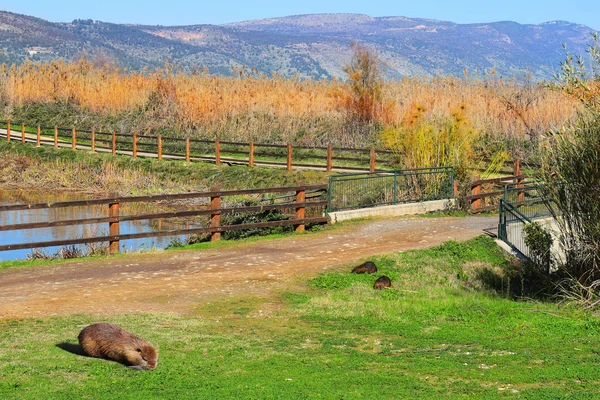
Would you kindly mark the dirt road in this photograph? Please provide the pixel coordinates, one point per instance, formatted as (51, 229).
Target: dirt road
(178, 281)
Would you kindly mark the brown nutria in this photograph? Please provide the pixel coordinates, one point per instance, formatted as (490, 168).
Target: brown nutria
(382, 282)
(368, 267)
(110, 341)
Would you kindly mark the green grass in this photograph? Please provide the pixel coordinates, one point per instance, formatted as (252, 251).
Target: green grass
(434, 335)
(25, 263)
(38, 262)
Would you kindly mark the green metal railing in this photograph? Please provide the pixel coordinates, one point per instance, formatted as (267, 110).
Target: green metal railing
(527, 199)
(511, 227)
(521, 205)
(369, 189)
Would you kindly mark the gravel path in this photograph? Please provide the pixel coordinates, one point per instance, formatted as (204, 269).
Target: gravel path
(179, 281)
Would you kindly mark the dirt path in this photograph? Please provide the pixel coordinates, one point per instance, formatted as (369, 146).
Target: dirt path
(179, 281)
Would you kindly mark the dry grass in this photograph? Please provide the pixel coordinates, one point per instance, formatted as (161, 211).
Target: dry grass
(274, 109)
(19, 171)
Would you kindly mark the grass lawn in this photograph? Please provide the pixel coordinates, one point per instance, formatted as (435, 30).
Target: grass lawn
(437, 333)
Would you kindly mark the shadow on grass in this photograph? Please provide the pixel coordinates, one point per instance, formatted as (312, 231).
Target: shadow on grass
(72, 348)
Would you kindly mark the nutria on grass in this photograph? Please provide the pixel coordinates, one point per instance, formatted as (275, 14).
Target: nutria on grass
(110, 341)
(382, 282)
(366, 267)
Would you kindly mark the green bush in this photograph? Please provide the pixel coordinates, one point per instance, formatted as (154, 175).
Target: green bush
(539, 242)
(254, 218)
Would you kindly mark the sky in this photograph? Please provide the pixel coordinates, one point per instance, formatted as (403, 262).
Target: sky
(191, 12)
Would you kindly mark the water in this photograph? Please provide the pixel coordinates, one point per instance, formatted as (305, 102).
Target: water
(76, 231)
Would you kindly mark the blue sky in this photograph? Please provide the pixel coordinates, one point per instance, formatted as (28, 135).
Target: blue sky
(187, 12)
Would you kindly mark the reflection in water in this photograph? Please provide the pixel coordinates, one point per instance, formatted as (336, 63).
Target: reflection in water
(76, 231)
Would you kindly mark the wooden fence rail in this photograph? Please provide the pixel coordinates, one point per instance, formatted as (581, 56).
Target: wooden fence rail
(241, 153)
(476, 195)
(299, 204)
(475, 188)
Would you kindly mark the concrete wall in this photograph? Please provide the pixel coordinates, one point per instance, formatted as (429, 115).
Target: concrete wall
(393, 210)
(515, 234)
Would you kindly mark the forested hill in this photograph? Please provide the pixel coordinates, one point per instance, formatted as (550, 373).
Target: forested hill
(307, 45)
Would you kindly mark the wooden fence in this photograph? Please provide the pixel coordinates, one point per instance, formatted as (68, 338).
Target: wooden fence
(476, 195)
(300, 202)
(220, 152)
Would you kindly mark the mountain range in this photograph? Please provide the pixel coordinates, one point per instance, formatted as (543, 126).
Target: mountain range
(307, 46)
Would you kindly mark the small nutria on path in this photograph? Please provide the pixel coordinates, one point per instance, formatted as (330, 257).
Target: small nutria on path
(366, 267)
(382, 282)
(110, 341)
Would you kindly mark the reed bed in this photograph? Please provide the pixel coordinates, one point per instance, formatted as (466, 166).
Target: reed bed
(274, 109)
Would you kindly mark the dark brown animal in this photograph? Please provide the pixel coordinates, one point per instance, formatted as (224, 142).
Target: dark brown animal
(110, 341)
(366, 267)
(382, 282)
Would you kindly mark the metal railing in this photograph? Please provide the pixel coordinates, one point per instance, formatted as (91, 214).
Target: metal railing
(520, 205)
(511, 227)
(369, 189)
(526, 199)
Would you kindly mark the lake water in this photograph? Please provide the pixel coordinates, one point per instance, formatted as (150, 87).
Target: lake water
(75, 231)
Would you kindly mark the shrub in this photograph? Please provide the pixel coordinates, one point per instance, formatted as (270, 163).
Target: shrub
(421, 142)
(253, 218)
(539, 242)
(570, 174)
(570, 181)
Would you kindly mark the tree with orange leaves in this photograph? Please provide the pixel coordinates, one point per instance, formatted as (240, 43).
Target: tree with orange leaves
(364, 78)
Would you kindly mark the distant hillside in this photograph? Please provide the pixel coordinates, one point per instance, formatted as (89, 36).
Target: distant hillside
(308, 45)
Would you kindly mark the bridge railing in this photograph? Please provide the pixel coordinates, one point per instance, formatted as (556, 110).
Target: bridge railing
(520, 205)
(356, 190)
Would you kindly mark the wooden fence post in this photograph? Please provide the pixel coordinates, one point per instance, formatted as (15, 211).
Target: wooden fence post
(39, 136)
(22, 132)
(159, 148)
(113, 228)
(329, 158)
(187, 149)
(74, 141)
(93, 140)
(300, 210)
(217, 151)
(215, 217)
(475, 190)
(373, 159)
(8, 130)
(518, 181)
(55, 137)
(289, 157)
(251, 155)
(134, 151)
(455, 188)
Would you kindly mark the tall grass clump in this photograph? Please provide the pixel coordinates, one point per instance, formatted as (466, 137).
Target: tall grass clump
(570, 181)
(421, 142)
